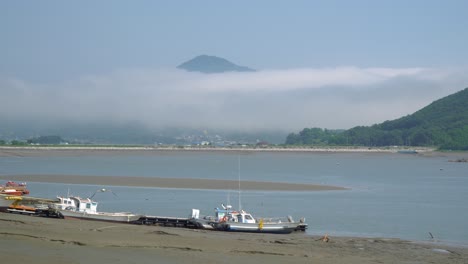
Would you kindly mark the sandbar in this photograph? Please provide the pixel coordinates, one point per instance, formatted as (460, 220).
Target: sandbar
(180, 183)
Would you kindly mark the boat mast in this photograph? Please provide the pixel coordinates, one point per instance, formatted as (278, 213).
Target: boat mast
(238, 180)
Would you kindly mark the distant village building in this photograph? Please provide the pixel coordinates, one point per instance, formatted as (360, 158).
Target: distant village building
(262, 144)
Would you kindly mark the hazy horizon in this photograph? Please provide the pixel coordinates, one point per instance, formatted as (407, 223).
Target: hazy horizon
(324, 64)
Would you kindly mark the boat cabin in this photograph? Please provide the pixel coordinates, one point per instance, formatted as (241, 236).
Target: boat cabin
(77, 204)
(227, 214)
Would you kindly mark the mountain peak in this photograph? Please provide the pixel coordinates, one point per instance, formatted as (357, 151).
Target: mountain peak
(212, 64)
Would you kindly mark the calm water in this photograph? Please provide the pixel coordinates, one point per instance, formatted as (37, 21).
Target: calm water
(392, 195)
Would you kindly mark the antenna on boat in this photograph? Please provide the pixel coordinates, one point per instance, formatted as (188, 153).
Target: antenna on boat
(238, 179)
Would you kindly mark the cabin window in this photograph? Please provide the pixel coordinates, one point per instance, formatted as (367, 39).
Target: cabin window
(88, 206)
(248, 217)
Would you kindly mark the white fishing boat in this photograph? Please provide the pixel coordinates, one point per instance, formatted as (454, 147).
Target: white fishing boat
(228, 219)
(85, 208)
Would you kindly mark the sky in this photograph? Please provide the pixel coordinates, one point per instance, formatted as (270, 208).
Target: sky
(329, 64)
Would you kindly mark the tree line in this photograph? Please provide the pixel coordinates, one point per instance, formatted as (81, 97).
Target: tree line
(443, 124)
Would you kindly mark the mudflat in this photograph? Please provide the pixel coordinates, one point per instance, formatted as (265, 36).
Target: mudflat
(30, 239)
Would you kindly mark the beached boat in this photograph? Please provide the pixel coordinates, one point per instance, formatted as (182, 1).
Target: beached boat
(13, 188)
(27, 208)
(85, 208)
(6, 201)
(228, 219)
(23, 204)
(9, 193)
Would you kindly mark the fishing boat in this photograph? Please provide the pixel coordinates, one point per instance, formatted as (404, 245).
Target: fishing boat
(23, 204)
(6, 201)
(9, 193)
(228, 219)
(27, 207)
(85, 208)
(13, 188)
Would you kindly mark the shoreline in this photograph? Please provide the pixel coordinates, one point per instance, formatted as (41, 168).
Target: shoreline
(176, 183)
(80, 151)
(33, 150)
(32, 239)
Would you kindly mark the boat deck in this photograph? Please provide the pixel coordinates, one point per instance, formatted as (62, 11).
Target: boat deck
(145, 220)
(167, 221)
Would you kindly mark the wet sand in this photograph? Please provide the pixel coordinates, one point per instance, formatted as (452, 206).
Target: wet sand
(29, 239)
(184, 183)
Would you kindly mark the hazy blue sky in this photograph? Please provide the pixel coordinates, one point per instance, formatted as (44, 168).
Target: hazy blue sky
(363, 49)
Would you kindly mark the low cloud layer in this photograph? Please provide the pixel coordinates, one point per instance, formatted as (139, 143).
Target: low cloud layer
(287, 100)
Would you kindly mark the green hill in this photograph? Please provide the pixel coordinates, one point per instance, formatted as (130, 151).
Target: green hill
(443, 123)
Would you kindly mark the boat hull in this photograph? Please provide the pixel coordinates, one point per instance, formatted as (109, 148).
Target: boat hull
(276, 228)
(101, 216)
(12, 192)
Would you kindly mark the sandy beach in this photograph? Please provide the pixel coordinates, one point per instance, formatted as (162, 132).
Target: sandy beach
(30, 239)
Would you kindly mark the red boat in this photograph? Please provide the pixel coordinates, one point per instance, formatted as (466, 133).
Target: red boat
(13, 188)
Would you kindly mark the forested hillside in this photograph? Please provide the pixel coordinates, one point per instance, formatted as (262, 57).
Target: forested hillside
(443, 123)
